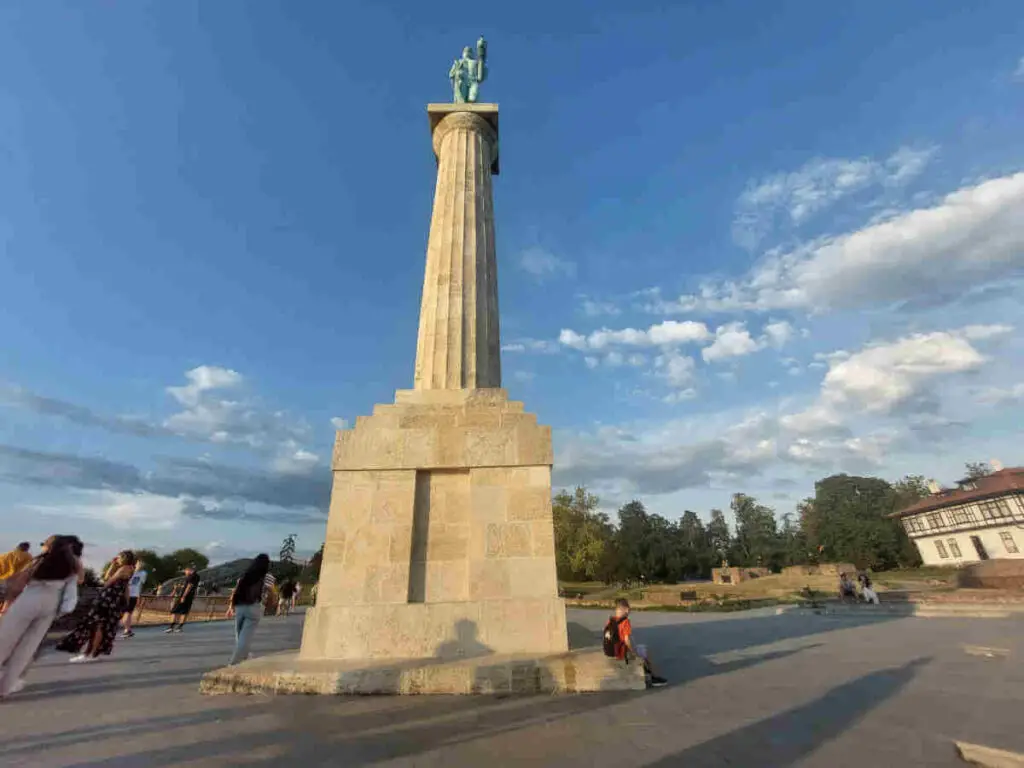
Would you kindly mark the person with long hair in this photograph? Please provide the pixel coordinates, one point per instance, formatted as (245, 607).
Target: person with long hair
(94, 636)
(247, 605)
(44, 590)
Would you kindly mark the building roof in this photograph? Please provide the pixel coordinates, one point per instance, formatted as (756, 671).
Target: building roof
(1009, 480)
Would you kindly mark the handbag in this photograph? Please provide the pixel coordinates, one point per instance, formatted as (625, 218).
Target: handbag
(68, 597)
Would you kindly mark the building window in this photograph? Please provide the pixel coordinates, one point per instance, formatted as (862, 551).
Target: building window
(1009, 543)
(941, 549)
(913, 525)
(935, 520)
(954, 548)
(995, 509)
(962, 515)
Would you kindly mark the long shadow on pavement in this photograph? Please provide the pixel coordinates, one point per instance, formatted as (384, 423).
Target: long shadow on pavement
(790, 736)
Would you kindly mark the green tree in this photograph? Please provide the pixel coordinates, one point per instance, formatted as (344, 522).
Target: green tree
(180, 558)
(792, 541)
(288, 548)
(976, 469)
(848, 521)
(697, 556)
(582, 535)
(719, 537)
(757, 540)
(311, 572)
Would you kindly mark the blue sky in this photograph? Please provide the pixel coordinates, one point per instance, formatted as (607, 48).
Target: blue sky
(741, 246)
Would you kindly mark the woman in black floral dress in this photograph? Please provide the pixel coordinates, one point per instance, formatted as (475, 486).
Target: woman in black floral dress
(95, 633)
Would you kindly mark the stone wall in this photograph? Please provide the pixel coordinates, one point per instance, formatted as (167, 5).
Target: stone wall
(992, 574)
(821, 569)
(735, 574)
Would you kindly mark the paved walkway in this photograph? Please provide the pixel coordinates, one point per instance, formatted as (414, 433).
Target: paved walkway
(748, 690)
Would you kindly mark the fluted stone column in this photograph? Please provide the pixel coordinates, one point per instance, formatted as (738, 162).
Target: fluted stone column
(458, 346)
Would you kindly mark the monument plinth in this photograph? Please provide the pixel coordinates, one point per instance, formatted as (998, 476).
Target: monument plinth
(438, 570)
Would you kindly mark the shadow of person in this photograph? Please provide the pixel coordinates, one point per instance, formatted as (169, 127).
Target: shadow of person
(787, 738)
(465, 645)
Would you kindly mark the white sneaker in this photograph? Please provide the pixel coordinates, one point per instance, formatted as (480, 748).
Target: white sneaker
(18, 685)
(77, 659)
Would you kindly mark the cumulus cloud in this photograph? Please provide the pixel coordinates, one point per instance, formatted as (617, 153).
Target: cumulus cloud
(884, 377)
(664, 334)
(818, 184)
(972, 238)
(339, 423)
(211, 410)
(676, 369)
(731, 340)
(543, 265)
(873, 401)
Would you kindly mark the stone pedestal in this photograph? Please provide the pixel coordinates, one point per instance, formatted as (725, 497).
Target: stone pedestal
(439, 540)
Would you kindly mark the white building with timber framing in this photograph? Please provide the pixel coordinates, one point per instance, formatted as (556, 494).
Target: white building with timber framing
(981, 519)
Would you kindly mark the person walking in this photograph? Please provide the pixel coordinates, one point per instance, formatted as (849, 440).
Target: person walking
(95, 633)
(246, 605)
(183, 603)
(287, 592)
(135, 584)
(45, 590)
(11, 563)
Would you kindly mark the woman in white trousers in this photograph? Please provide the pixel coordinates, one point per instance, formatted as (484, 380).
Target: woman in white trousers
(26, 621)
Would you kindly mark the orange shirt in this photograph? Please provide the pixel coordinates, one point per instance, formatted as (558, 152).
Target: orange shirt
(12, 562)
(625, 630)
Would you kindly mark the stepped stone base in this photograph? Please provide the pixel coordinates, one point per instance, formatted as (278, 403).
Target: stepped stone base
(452, 630)
(573, 672)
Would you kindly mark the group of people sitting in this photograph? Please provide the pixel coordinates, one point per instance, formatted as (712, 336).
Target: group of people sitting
(848, 590)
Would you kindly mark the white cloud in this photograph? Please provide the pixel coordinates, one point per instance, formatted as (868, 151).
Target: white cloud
(778, 333)
(614, 359)
(907, 162)
(815, 186)
(971, 238)
(295, 460)
(680, 396)
(542, 346)
(543, 265)
(591, 362)
(1018, 73)
(885, 376)
(1002, 395)
(208, 413)
(983, 332)
(339, 423)
(731, 340)
(676, 369)
(142, 511)
(664, 334)
(202, 380)
(594, 308)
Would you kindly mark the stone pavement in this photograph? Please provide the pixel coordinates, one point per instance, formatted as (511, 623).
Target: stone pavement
(749, 689)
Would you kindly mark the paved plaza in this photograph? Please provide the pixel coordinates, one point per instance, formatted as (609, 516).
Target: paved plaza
(747, 689)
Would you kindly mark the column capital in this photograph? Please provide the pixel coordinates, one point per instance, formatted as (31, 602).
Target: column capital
(481, 117)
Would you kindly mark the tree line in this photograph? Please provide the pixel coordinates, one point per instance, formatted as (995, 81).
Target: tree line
(845, 521)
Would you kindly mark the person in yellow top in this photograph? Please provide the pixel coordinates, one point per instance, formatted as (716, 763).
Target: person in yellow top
(10, 564)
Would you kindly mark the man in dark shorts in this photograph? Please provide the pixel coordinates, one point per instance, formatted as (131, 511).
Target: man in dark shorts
(183, 602)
